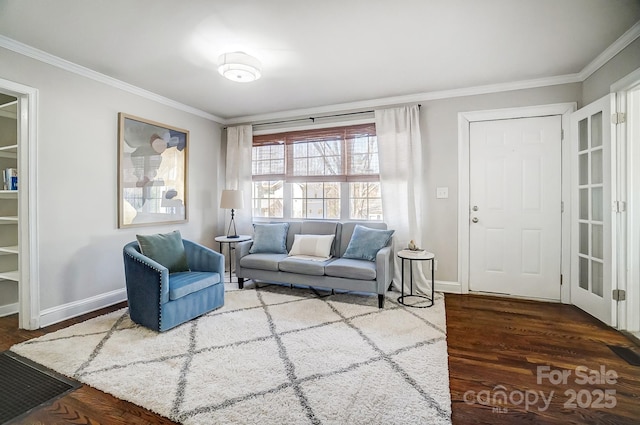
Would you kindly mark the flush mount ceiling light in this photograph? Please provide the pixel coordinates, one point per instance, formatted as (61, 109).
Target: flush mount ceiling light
(239, 66)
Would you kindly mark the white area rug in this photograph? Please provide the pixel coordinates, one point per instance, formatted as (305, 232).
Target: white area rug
(271, 355)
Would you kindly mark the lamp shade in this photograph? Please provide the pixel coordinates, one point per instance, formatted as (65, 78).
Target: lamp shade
(231, 200)
(239, 66)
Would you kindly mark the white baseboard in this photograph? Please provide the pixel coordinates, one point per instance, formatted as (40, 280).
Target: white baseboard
(76, 308)
(9, 309)
(448, 286)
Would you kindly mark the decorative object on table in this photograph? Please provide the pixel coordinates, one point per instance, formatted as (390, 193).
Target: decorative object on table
(152, 172)
(232, 200)
(413, 247)
(234, 365)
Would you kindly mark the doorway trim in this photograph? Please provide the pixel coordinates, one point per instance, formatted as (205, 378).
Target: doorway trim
(29, 282)
(627, 262)
(464, 121)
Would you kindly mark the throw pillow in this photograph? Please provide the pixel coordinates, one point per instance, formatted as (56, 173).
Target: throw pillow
(165, 248)
(366, 242)
(312, 245)
(269, 238)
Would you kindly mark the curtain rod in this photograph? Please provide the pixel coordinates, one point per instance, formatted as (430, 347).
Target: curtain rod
(313, 119)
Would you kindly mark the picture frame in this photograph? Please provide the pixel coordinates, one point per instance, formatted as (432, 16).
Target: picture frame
(152, 172)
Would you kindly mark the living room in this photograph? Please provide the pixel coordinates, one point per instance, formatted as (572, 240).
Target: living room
(71, 244)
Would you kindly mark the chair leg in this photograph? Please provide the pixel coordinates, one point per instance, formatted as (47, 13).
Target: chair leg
(241, 282)
(380, 301)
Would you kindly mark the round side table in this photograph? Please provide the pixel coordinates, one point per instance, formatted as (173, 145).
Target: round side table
(412, 256)
(231, 241)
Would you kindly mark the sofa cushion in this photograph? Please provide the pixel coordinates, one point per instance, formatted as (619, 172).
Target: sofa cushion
(366, 242)
(351, 269)
(270, 238)
(185, 283)
(166, 249)
(322, 227)
(262, 261)
(312, 245)
(300, 266)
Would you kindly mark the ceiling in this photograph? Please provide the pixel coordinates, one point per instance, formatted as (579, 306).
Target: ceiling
(320, 53)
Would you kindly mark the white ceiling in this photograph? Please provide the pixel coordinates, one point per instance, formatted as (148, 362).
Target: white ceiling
(319, 53)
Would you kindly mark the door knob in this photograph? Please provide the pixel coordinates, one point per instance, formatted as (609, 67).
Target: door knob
(475, 208)
(474, 219)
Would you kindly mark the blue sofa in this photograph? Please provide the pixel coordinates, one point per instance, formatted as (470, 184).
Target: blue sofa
(160, 300)
(335, 273)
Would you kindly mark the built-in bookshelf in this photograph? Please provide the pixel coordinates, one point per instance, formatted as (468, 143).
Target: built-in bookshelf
(9, 249)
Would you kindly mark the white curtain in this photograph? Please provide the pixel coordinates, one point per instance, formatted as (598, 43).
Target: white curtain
(238, 174)
(402, 184)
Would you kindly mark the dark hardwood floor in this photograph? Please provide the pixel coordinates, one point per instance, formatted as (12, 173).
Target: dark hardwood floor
(498, 344)
(495, 344)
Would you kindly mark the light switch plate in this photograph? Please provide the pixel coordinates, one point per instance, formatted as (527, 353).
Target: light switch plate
(442, 192)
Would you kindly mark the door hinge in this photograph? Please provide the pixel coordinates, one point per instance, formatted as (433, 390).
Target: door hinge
(561, 206)
(562, 134)
(618, 117)
(560, 280)
(619, 206)
(619, 295)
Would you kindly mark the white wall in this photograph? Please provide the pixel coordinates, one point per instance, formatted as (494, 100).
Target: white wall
(80, 246)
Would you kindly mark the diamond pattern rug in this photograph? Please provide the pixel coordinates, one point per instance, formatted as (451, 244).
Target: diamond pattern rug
(272, 355)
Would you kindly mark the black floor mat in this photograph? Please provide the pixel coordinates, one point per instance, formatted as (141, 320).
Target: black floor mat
(626, 354)
(25, 385)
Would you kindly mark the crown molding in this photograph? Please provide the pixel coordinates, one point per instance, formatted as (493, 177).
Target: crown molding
(616, 47)
(623, 41)
(66, 65)
(412, 98)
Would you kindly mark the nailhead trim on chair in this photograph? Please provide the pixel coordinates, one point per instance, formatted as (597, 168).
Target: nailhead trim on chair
(139, 260)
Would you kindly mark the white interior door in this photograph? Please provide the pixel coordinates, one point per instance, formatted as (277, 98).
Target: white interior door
(592, 240)
(515, 200)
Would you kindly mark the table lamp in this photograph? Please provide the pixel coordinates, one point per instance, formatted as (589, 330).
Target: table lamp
(233, 200)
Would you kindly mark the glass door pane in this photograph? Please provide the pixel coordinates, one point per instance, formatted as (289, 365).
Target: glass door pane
(591, 204)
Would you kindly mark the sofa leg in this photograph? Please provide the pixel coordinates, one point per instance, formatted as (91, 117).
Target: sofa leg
(380, 301)
(241, 282)
(390, 286)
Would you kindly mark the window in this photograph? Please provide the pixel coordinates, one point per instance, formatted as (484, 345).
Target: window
(321, 174)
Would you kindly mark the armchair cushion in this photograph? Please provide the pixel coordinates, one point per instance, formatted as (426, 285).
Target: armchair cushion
(185, 283)
(166, 249)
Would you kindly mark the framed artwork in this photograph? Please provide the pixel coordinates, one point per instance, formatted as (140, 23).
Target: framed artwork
(152, 172)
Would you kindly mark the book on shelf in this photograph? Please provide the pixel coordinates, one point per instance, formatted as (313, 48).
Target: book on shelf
(10, 178)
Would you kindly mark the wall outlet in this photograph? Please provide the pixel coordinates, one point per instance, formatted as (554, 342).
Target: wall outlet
(442, 192)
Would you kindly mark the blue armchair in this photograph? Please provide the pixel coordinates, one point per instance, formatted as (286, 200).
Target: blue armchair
(160, 300)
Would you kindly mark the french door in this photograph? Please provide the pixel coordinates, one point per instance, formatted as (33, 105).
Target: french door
(593, 244)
